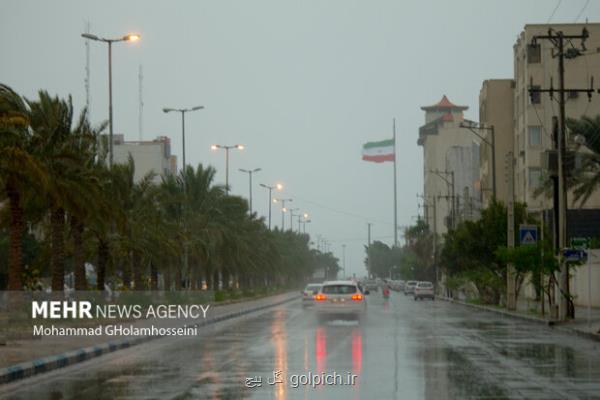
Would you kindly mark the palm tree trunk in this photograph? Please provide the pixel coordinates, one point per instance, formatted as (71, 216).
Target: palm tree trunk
(167, 277)
(15, 257)
(138, 282)
(78, 254)
(102, 261)
(153, 276)
(178, 277)
(57, 221)
(225, 276)
(126, 268)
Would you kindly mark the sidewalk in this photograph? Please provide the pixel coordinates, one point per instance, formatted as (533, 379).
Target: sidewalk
(529, 311)
(27, 357)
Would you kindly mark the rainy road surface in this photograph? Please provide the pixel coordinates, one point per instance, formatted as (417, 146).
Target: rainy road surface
(402, 350)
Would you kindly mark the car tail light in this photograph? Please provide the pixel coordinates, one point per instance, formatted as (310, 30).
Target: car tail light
(357, 297)
(320, 297)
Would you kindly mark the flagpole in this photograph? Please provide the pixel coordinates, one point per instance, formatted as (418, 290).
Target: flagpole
(395, 192)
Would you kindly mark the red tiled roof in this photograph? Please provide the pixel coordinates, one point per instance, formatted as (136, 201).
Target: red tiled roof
(444, 104)
(448, 117)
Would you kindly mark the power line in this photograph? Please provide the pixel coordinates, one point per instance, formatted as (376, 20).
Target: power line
(554, 11)
(341, 212)
(582, 10)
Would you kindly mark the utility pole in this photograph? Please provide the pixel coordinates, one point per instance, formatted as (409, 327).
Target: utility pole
(395, 192)
(369, 249)
(511, 301)
(558, 38)
(344, 259)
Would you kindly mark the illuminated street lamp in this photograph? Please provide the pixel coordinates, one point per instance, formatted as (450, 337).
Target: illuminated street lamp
(132, 37)
(215, 147)
(279, 187)
(283, 210)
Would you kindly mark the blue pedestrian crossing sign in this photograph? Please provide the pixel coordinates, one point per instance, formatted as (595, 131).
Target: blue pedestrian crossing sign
(528, 234)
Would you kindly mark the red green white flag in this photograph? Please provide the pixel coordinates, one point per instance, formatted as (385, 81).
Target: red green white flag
(379, 151)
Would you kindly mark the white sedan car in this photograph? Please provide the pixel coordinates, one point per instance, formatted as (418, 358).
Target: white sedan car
(340, 297)
(308, 294)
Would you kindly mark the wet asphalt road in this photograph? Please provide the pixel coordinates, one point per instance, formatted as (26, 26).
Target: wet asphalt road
(402, 350)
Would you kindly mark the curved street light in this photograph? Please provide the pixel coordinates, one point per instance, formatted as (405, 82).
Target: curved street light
(215, 147)
(182, 111)
(130, 37)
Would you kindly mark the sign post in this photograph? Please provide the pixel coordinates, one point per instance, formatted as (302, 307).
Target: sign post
(528, 234)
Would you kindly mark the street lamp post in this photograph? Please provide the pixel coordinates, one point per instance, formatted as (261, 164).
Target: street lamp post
(279, 186)
(183, 111)
(250, 172)
(292, 215)
(227, 148)
(300, 216)
(283, 209)
(491, 143)
(132, 37)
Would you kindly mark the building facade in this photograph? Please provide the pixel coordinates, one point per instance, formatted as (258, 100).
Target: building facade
(148, 156)
(496, 111)
(535, 65)
(451, 165)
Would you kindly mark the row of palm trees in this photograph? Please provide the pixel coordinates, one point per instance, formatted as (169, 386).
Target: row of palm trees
(55, 182)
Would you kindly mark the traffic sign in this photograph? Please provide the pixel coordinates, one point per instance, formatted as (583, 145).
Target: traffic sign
(580, 243)
(528, 234)
(575, 255)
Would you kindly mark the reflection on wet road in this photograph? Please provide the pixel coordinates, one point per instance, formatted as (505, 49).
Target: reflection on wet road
(402, 349)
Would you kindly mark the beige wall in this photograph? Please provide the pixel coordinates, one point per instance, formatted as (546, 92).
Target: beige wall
(578, 72)
(435, 150)
(496, 108)
(147, 156)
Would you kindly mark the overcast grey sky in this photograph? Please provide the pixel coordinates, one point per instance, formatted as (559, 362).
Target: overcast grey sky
(302, 84)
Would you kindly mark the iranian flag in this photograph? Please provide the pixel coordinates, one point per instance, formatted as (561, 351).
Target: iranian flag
(378, 151)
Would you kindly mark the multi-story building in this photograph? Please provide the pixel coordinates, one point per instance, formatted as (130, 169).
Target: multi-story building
(450, 164)
(151, 155)
(535, 65)
(496, 111)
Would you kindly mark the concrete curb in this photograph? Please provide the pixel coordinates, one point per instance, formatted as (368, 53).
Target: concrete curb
(555, 325)
(35, 367)
(505, 313)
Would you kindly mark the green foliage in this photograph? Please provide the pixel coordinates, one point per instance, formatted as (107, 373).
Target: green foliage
(472, 250)
(133, 231)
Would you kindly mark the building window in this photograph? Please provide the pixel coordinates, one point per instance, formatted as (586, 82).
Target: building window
(535, 178)
(572, 94)
(534, 54)
(534, 134)
(535, 96)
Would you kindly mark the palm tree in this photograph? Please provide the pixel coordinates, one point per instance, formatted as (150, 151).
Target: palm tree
(71, 188)
(586, 179)
(19, 171)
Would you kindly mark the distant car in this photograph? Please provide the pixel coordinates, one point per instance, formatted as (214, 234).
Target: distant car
(409, 287)
(340, 297)
(424, 290)
(370, 285)
(309, 292)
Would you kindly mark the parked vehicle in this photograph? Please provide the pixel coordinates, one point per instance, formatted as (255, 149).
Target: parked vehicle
(424, 290)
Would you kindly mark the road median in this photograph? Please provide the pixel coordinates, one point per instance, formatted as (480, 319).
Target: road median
(29, 361)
